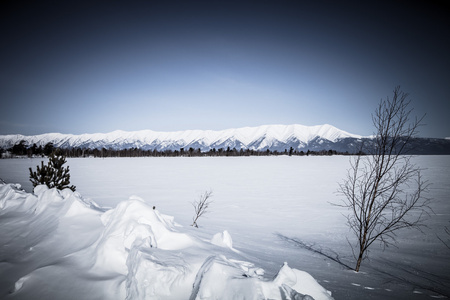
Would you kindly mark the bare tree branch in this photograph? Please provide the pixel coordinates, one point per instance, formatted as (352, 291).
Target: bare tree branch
(384, 191)
(201, 206)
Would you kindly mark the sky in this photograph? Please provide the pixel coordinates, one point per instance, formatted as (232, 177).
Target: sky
(98, 66)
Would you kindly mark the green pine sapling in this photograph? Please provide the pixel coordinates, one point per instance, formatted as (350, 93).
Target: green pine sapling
(54, 175)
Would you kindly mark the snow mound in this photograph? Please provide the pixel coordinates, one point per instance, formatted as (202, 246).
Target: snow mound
(134, 221)
(13, 198)
(129, 252)
(300, 282)
(222, 239)
(64, 203)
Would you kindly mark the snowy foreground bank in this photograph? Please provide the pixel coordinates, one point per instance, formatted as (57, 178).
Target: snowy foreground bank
(55, 245)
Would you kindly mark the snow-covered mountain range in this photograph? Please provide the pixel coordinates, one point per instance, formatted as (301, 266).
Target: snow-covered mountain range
(273, 137)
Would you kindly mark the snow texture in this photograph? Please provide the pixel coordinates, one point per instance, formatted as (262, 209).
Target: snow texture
(57, 245)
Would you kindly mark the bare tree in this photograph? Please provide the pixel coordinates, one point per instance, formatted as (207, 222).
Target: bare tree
(201, 206)
(445, 242)
(384, 191)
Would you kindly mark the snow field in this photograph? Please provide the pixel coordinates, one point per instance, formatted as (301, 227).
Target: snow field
(136, 252)
(264, 204)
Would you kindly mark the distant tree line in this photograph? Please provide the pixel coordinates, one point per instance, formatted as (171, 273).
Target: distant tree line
(21, 149)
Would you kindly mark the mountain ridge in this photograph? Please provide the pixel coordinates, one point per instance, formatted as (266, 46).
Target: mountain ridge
(264, 137)
(256, 138)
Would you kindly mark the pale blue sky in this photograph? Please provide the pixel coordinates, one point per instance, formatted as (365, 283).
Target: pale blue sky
(76, 67)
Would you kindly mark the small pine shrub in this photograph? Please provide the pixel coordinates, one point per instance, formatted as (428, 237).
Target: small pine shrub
(54, 175)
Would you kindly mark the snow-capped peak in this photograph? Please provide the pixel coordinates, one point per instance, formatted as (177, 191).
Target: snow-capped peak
(260, 137)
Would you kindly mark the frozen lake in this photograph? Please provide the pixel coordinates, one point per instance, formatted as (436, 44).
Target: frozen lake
(263, 201)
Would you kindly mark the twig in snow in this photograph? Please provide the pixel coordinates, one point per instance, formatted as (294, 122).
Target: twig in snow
(201, 206)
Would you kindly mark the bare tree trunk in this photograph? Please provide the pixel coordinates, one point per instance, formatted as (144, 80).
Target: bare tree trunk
(359, 260)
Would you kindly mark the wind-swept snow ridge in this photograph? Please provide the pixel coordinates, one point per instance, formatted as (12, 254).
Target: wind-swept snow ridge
(56, 247)
(274, 137)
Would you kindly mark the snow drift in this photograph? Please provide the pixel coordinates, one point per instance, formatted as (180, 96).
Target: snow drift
(55, 245)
